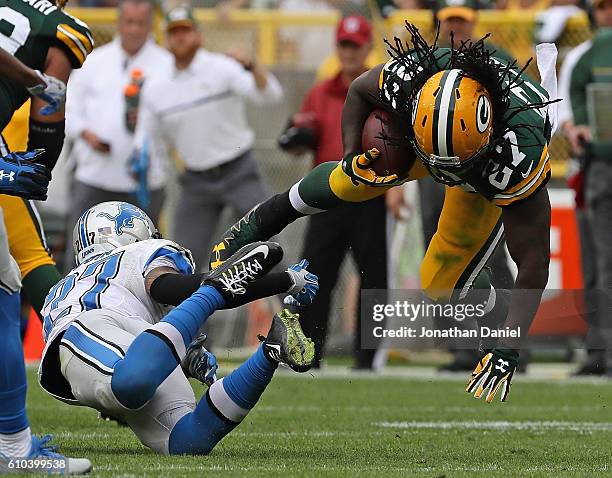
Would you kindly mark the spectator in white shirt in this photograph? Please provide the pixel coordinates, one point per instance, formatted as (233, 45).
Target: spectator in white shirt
(200, 113)
(97, 123)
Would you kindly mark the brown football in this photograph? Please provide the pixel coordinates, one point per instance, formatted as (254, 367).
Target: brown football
(384, 132)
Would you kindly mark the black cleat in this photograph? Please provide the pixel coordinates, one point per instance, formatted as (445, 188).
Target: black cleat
(287, 344)
(253, 261)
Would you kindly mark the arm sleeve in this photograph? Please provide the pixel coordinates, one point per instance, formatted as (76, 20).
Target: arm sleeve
(564, 110)
(579, 78)
(242, 83)
(172, 289)
(47, 136)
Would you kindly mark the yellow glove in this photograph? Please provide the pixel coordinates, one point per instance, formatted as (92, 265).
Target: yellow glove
(494, 371)
(357, 167)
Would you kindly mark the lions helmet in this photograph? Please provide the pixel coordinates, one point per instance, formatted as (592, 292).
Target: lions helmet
(452, 121)
(110, 225)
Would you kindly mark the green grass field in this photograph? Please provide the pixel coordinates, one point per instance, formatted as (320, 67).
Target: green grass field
(358, 426)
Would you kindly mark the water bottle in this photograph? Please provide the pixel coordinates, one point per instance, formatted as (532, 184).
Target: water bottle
(132, 98)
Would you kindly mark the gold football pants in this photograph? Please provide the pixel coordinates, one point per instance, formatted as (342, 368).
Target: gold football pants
(469, 229)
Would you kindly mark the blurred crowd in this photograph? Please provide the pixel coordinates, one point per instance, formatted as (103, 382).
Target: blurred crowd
(385, 7)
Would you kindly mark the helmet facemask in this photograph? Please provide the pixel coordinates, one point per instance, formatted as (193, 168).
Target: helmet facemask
(450, 171)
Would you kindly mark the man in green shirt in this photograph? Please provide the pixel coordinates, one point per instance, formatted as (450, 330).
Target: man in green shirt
(590, 68)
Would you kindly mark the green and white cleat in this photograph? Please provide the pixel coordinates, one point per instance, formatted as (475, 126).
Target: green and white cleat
(287, 344)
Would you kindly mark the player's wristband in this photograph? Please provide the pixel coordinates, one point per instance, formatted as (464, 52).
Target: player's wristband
(507, 354)
(47, 136)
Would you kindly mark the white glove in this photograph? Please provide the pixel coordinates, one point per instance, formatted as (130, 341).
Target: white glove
(51, 90)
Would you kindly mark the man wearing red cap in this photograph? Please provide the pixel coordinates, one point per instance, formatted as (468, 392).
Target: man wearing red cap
(329, 236)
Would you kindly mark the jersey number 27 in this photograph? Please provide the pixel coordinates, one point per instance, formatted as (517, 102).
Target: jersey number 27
(102, 271)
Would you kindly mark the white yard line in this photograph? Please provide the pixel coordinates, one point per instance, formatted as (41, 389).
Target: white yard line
(500, 425)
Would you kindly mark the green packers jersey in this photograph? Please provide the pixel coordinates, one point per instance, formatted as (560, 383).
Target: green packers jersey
(594, 67)
(520, 165)
(27, 29)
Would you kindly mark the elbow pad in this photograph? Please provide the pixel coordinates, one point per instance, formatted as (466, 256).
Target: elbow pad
(48, 136)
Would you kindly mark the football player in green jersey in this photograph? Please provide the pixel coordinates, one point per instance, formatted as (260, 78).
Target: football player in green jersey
(19, 175)
(45, 39)
(476, 124)
(49, 89)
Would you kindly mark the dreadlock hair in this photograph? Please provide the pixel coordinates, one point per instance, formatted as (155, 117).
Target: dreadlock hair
(476, 61)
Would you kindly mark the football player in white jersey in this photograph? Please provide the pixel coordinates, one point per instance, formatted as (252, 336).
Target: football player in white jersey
(114, 344)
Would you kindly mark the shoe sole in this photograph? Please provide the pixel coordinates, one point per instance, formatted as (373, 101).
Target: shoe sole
(300, 349)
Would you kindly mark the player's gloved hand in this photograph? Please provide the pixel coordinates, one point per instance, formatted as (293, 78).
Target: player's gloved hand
(206, 368)
(19, 176)
(50, 90)
(494, 371)
(210, 374)
(305, 285)
(357, 167)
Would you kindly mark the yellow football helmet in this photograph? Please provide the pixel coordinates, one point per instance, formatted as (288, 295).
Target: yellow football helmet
(452, 120)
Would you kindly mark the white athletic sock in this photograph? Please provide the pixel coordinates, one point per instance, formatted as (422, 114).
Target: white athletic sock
(16, 445)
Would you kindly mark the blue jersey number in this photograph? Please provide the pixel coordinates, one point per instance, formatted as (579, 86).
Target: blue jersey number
(103, 271)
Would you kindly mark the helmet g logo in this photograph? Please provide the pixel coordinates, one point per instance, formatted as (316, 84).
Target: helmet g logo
(483, 114)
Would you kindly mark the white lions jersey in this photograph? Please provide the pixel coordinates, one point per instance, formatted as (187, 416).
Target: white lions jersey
(113, 281)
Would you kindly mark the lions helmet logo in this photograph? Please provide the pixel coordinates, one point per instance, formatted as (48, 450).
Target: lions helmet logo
(125, 218)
